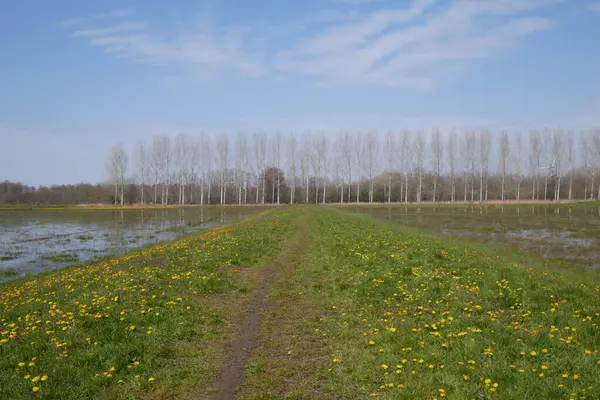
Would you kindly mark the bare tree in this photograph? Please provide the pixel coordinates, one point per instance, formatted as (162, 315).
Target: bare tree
(304, 164)
(340, 163)
(451, 153)
(469, 162)
(371, 155)
(346, 150)
(484, 160)
(241, 156)
(570, 158)
(547, 154)
(277, 148)
(223, 153)
(419, 151)
(116, 165)
(504, 155)
(260, 151)
(405, 160)
(594, 149)
(390, 149)
(436, 152)
(163, 160)
(205, 165)
(534, 162)
(556, 166)
(358, 150)
(142, 167)
(292, 150)
(182, 161)
(584, 160)
(194, 157)
(518, 154)
(320, 163)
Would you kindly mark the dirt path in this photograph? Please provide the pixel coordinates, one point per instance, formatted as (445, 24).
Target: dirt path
(233, 370)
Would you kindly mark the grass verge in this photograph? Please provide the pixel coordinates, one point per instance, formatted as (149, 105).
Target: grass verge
(141, 325)
(397, 313)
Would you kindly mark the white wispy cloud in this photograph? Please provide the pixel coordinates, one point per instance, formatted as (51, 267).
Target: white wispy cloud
(203, 52)
(125, 27)
(413, 46)
(117, 13)
(416, 45)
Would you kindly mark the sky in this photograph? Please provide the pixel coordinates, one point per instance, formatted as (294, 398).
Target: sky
(77, 77)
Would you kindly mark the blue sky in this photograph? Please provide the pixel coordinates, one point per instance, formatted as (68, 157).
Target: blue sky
(77, 77)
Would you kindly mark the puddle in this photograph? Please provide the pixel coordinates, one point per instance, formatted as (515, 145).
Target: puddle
(39, 241)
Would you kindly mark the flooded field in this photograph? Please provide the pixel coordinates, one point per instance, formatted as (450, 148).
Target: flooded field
(569, 232)
(36, 241)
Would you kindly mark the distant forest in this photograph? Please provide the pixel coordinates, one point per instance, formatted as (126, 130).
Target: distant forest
(469, 166)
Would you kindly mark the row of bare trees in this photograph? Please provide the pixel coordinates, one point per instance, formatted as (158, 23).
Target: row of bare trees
(360, 167)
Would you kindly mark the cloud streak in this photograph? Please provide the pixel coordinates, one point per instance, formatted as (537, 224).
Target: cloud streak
(413, 46)
(125, 27)
(417, 45)
(117, 13)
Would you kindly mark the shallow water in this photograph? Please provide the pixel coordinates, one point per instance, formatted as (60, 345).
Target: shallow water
(36, 241)
(570, 232)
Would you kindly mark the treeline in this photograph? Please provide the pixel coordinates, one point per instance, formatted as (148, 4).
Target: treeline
(349, 167)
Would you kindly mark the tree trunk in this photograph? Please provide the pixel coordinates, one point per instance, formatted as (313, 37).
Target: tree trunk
(306, 192)
(278, 187)
(202, 192)
(480, 186)
(570, 186)
(390, 188)
(419, 192)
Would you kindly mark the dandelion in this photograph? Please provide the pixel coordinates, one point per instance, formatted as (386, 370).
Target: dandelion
(151, 379)
(36, 389)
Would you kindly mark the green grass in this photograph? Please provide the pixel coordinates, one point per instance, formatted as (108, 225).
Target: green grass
(360, 308)
(403, 314)
(8, 273)
(66, 257)
(141, 325)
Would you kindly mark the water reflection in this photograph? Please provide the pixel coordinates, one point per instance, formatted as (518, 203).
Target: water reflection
(35, 241)
(566, 231)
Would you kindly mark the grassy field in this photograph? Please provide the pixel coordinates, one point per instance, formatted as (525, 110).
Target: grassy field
(563, 232)
(305, 302)
(38, 240)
